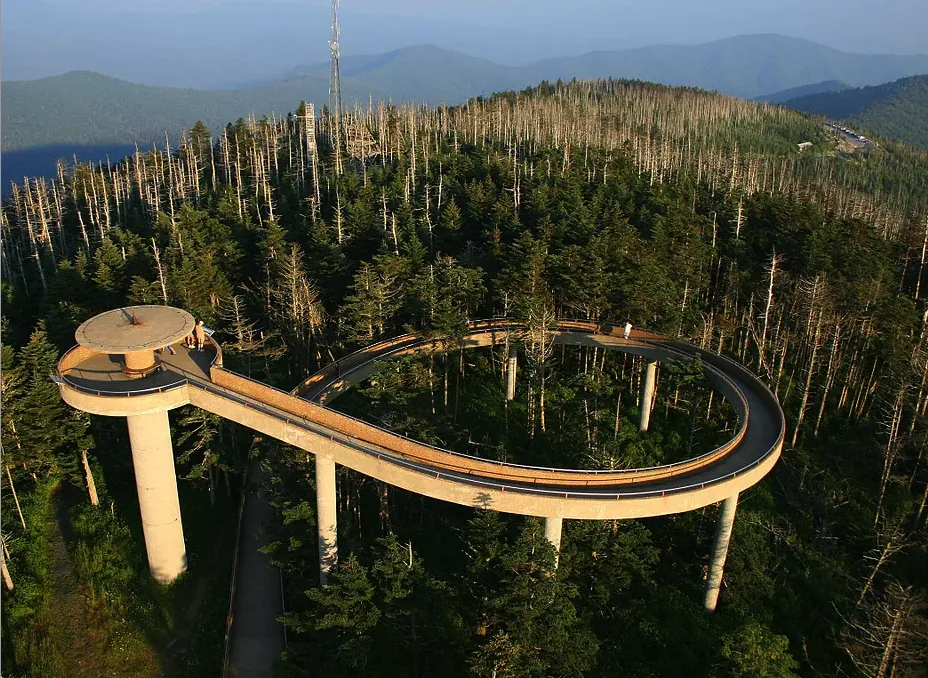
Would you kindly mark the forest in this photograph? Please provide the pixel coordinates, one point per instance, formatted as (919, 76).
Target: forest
(304, 238)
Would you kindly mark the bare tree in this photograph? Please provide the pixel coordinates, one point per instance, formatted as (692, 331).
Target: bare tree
(539, 345)
(887, 632)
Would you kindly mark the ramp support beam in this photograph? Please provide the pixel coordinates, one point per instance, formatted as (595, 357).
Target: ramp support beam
(647, 396)
(553, 528)
(720, 552)
(326, 517)
(155, 479)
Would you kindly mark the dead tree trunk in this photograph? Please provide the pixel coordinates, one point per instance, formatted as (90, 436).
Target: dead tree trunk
(91, 485)
(19, 510)
(7, 579)
(816, 344)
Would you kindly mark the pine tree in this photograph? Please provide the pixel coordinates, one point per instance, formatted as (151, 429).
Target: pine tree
(343, 616)
(41, 435)
(528, 624)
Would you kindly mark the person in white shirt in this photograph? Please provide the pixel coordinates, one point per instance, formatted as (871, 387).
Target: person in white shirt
(628, 329)
(199, 334)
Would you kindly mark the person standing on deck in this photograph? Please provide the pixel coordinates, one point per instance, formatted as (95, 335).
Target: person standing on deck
(199, 334)
(628, 329)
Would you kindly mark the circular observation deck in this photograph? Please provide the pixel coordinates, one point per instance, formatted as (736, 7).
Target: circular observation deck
(135, 332)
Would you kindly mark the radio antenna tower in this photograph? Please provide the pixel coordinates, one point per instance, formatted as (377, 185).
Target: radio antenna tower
(335, 92)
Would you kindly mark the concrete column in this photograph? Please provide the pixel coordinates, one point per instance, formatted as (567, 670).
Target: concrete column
(511, 367)
(326, 509)
(153, 460)
(553, 527)
(647, 396)
(139, 362)
(720, 552)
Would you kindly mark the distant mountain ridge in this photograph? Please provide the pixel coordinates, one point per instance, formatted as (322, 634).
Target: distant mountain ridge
(745, 66)
(804, 90)
(82, 109)
(897, 109)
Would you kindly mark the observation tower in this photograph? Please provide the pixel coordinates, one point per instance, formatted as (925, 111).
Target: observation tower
(118, 358)
(122, 367)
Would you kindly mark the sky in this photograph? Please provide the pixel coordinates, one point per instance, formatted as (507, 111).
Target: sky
(189, 42)
(892, 26)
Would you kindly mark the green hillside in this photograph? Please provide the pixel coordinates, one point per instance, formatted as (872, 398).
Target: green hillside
(88, 108)
(897, 109)
(681, 211)
(95, 116)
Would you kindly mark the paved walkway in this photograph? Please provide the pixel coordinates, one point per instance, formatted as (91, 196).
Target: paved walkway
(257, 637)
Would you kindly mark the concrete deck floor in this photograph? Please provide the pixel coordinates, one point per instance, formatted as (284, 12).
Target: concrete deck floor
(104, 373)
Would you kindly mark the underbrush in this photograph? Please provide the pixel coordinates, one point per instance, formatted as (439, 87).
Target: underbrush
(137, 612)
(28, 648)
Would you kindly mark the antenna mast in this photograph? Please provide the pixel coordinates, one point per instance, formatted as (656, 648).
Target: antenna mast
(335, 92)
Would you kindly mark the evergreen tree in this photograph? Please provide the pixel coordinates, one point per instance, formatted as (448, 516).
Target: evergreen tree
(754, 652)
(376, 297)
(527, 623)
(42, 434)
(343, 615)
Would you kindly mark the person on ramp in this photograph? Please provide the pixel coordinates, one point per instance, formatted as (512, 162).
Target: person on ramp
(199, 335)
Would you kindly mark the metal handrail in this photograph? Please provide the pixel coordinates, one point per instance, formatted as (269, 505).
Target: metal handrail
(127, 393)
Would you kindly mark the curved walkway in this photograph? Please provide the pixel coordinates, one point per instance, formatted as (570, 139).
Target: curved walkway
(462, 479)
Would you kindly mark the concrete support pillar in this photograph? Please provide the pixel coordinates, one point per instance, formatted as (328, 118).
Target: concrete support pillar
(326, 509)
(647, 396)
(153, 460)
(553, 527)
(511, 367)
(139, 363)
(720, 552)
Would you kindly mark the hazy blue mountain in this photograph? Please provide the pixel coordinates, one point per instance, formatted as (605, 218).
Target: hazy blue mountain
(804, 90)
(82, 109)
(97, 117)
(208, 44)
(744, 66)
(224, 43)
(88, 108)
(424, 73)
(897, 109)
